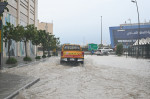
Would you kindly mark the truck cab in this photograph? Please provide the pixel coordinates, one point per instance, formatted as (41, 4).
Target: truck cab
(72, 52)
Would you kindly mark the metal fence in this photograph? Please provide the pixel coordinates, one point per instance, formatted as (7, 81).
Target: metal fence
(144, 51)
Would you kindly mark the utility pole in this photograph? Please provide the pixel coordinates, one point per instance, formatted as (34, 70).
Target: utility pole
(2, 7)
(134, 1)
(101, 31)
(1, 43)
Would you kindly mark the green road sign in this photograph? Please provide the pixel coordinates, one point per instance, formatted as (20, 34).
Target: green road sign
(92, 47)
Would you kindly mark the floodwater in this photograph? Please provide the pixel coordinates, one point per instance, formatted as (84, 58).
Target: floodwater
(101, 77)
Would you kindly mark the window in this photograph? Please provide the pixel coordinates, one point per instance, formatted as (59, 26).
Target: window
(71, 47)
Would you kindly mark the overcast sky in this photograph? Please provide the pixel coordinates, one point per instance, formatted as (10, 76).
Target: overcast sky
(79, 21)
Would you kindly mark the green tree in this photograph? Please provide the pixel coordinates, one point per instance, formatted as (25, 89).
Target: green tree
(28, 35)
(19, 30)
(36, 39)
(55, 44)
(119, 49)
(49, 43)
(100, 45)
(9, 34)
(43, 40)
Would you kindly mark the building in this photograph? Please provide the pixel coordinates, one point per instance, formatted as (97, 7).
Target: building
(127, 34)
(48, 27)
(21, 12)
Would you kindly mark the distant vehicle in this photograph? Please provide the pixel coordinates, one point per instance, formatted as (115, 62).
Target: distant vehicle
(98, 52)
(71, 52)
(106, 49)
(103, 51)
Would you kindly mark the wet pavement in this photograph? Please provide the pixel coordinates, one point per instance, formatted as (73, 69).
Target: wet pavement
(20, 62)
(101, 77)
(10, 83)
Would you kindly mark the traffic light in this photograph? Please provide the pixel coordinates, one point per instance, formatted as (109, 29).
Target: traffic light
(2, 6)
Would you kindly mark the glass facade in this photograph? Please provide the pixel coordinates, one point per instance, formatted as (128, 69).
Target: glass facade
(13, 47)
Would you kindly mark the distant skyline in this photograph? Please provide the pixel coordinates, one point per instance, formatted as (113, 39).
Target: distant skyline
(79, 21)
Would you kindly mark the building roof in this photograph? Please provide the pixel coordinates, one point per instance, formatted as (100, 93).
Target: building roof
(143, 41)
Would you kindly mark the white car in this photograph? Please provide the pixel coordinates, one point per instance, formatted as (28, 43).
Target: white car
(102, 52)
(106, 49)
(98, 52)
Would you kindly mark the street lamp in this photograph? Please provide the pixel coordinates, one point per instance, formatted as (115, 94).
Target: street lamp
(134, 1)
(2, 8)
(101, 32)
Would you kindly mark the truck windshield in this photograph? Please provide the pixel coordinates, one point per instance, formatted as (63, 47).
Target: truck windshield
(71, 47)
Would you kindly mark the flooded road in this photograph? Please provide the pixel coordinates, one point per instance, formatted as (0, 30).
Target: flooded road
(101, 77)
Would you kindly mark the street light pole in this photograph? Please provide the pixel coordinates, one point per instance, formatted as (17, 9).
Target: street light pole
(134, 1)
(2, 7)
(101, 31)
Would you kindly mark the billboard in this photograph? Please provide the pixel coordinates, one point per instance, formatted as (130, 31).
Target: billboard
(128, 35)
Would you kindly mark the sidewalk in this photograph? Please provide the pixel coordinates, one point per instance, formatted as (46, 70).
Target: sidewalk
(11, 84)
(19, 62)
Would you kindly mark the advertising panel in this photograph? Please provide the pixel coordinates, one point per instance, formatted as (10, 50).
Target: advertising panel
(128, 36)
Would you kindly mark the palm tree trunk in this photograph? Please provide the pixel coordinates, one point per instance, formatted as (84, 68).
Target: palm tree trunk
(36, 50)
(9, 48)
(43, 51)
(25, 42)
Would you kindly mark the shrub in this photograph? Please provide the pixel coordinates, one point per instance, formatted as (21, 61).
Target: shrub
(11, 61)
(119, 49)
(48, 55)
(119, 54)
(38, 57)
(45, 53)
(27, 59)
(44, 56)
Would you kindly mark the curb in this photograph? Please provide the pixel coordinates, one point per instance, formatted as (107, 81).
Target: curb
(35, 62)
(25, 87)
(26, 64)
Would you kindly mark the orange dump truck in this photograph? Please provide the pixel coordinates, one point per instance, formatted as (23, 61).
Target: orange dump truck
(71, 52)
